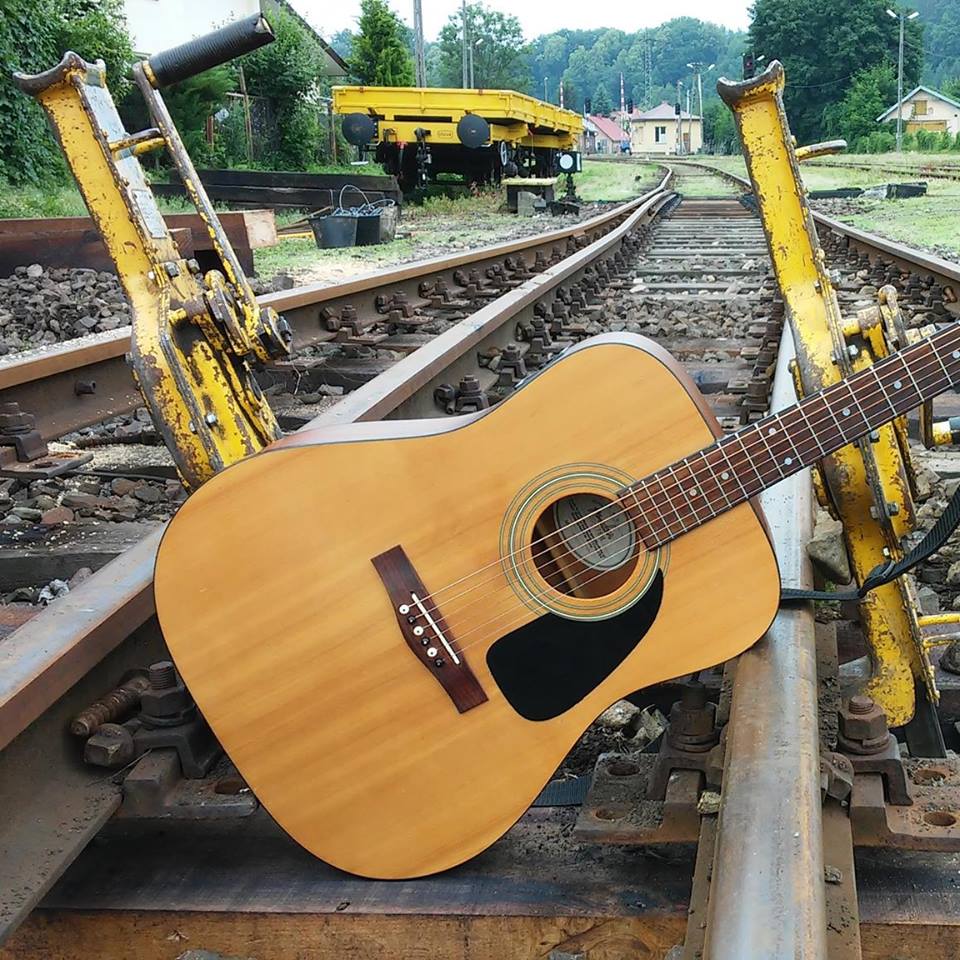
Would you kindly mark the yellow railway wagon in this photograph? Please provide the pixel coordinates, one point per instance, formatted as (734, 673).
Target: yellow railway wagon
(418, 133)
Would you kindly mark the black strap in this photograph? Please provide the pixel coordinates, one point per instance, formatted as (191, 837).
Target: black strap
(934, 539)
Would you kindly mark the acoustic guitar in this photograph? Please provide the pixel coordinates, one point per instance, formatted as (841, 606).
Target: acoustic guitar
(398, 630)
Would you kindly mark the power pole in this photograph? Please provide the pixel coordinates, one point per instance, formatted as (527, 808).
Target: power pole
(420, 62)
(697, 68)
(689, 124)
(679, 148)
(902, 17)
(623, 102)
(463, 15)
(546, 96)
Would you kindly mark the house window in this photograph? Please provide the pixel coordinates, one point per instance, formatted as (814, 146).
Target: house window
(660, 134)
(919, 108)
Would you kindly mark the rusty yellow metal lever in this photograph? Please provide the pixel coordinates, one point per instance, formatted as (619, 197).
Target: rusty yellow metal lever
(194, 337)
(867, 483)
(825, 149)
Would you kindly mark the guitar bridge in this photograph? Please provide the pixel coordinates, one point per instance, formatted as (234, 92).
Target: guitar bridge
(425, 630)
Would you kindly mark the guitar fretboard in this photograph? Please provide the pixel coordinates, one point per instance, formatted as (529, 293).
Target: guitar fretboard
(689, 493)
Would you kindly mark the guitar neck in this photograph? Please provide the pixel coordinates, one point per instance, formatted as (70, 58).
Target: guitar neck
(687, 494)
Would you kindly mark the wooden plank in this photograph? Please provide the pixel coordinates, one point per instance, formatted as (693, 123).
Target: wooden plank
(242, 889)
(299, 197)
(64, 245)
(75, 241)
(273, 178)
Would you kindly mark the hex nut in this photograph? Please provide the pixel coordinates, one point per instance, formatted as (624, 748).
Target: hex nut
(862, 721)
(111, 746)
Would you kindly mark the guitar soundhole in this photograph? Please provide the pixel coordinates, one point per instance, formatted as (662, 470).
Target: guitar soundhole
(585, 545)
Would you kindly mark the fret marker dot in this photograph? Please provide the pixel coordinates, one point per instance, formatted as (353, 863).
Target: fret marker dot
(694, 492)
(787, 461)
(897, 384)
(771, 431)
(846, 411)
(956, 354)
(724, 476)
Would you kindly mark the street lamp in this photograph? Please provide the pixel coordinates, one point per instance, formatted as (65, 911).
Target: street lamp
(902, 17)
(473, 45)
(697, 68)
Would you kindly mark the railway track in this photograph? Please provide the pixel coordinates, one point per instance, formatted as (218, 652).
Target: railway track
(690, 271)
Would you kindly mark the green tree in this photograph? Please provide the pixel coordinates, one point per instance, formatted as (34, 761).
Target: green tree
(499, 61)
(379, 55)
(823, 46)
(286, 73)
(602, 104)
(719, 128)
(870, 94)
(34, 35)
(951, 88)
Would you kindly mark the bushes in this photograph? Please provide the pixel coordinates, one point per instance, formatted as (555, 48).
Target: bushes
(33, 36)
(287, 74)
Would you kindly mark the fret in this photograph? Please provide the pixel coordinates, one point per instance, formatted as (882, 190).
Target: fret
(766, 431)
(943, 366)
(847, 426)
(665, 521)
(898, 385)
(713, 480)
(819, 430)
(801, 423)
(689, 491)
(713, 475)
(670, 503)
(643, 514)
(727, 474)
(883, 391)
(764, 459)
(738, 438)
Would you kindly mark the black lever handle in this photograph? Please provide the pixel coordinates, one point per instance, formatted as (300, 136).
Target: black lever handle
(210, 50)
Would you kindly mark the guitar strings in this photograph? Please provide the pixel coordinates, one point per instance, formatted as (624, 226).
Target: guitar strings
(625, 524)
(572, 584)
(671, 499)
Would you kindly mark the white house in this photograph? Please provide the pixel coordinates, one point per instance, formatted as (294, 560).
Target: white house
(655, 131)
(926, 109)
(159, 24)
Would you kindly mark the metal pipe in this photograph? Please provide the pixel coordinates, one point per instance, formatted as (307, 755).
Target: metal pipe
(767, 894)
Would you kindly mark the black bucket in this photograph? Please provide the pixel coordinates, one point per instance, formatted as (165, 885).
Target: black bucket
(334, 231)
(368, 229)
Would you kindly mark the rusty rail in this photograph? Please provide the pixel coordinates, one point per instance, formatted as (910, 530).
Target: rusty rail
(84, 381)
(767, 892)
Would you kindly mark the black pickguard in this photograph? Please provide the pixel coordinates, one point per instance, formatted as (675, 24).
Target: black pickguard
(550, 664)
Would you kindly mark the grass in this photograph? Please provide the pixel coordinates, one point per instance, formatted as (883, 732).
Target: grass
(293, 255)
(62, 200)
(610, 180)
(931, 222)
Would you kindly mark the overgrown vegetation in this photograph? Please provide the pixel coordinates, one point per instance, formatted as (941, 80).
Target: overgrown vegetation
(380, 53)
(497, 43)
(33, 36)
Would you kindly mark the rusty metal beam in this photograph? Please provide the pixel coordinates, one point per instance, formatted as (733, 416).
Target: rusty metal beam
(54, 383)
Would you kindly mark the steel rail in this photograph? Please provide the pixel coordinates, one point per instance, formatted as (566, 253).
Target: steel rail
(86, 380)
(767, 891)
(68, 654)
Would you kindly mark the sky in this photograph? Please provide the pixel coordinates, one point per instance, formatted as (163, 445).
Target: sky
(540, 16)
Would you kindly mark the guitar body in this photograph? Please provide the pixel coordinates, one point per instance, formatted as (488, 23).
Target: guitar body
(277, 591)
